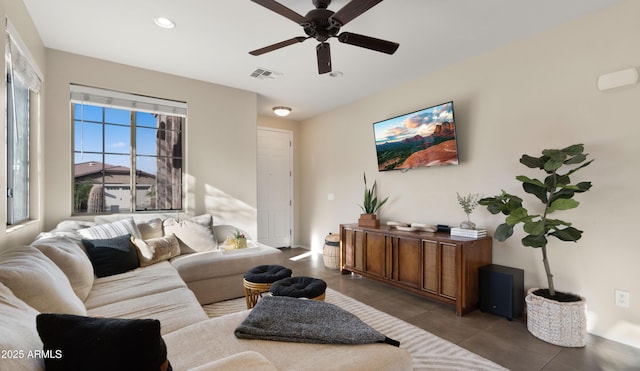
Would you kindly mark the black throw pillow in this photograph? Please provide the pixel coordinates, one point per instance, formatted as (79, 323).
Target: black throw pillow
(86, 343)
(112, 255)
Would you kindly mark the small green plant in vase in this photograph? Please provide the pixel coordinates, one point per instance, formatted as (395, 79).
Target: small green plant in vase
(468, 203)
(370, 206)
(239, 239)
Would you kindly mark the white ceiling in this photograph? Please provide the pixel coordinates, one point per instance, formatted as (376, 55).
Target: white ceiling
(213, 37)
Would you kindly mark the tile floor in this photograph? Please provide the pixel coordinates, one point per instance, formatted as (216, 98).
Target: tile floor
(507, 343)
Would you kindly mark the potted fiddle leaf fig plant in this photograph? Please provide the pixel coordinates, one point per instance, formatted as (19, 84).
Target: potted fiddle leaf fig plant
(547, 313)
(370, 206)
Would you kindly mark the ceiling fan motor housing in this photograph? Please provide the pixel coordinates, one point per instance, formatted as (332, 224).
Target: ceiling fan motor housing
(319, 26)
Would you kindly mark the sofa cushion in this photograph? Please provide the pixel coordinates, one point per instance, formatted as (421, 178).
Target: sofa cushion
(138, 282)
(70, 256)
(38, 281)
(194, 234)
(154, 250)
(18, 335)
(110, 230)
(175, 308)
(67, 228)
(151, 228)
(111, 256)
(249, 360)
(101, 343)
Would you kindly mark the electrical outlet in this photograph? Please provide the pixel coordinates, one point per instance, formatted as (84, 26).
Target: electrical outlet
(622, 298)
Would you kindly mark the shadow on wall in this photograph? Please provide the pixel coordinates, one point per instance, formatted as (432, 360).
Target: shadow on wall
(229, 210)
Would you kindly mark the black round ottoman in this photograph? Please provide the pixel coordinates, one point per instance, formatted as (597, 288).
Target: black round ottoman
(259, 279)
(300, 287)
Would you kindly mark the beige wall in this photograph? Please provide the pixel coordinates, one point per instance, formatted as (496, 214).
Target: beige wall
(220, 173)
(534, 94)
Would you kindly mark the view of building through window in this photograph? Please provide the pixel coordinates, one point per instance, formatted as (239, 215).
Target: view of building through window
(120, 150)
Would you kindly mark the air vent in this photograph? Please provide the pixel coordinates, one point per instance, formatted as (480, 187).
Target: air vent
(263, 73)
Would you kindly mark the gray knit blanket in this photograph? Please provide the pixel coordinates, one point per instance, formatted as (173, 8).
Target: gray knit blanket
(282, 318)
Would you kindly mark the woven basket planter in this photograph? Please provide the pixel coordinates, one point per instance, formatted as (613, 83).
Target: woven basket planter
(555, 322)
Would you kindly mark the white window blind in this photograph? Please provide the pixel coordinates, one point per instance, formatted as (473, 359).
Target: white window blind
(21, 63)
(114, 99)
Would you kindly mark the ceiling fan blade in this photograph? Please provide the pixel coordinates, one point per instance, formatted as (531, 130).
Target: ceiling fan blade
(353, 9)
(368, 42)
(323, 50)
(279, 45)
(282, 10)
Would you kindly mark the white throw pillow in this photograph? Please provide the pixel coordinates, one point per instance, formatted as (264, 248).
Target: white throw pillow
(70, 257)
(194, 234)
(155, 250)
(35, 279)
(111, 230)
(18, 334)
(150, 228)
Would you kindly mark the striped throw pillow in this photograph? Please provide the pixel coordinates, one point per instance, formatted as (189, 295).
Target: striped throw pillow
(111, 230)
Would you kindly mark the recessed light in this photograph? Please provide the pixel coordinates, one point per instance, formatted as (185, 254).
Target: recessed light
(164, 22)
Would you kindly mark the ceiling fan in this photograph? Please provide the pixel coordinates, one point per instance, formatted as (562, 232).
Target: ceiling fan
(323, 24)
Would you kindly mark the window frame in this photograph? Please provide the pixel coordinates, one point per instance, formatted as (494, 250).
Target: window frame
(20, 67)
(176, 203)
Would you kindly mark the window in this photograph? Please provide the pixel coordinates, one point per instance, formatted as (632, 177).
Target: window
(127, 152)
(22, 84)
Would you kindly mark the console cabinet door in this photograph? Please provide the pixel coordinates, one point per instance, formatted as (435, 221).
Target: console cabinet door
(440, 269)
(449, 270)
(407, 259)
(377, 253)
(430, 266)
(353, 241)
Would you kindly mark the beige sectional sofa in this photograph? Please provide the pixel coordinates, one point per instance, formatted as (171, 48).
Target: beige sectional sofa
(55, 275)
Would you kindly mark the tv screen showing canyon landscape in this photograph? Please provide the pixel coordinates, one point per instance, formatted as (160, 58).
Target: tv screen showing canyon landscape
(418, 139)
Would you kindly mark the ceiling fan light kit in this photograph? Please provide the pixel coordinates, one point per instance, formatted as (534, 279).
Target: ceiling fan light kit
(322, 24)
(282, 111)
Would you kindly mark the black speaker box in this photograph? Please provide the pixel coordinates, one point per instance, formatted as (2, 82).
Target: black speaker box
(502, 290)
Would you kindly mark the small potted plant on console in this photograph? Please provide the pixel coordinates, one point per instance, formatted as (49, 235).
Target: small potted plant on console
(370, 206)
(556, 317)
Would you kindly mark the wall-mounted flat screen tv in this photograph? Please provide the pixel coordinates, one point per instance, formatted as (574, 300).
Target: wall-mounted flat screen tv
(418, 139)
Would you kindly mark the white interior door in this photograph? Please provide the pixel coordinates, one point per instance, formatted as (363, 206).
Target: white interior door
(275, 176)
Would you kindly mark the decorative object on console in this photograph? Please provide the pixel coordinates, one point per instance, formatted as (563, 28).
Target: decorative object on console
(468, 203)
(406, 229)
(397, 224)
(424, 227)
(472, 233)
(370, 206)
(428, 139)
(555, 193)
